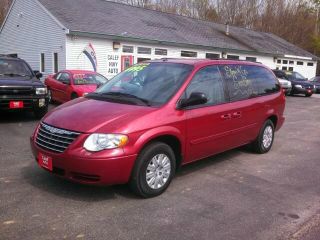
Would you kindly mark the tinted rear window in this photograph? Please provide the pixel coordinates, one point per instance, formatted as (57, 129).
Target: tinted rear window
(245, 81)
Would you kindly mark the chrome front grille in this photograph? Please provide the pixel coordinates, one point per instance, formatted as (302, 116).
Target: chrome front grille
(16, 90)
(54, 139)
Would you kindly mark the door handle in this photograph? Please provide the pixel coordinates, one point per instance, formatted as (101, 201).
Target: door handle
(237, 115)
(226, 116)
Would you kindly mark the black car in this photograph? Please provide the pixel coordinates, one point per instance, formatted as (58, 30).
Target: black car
(300, 85)
(316, 82)
(20, 87)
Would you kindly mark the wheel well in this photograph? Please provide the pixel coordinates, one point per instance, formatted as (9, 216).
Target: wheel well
(274, 120)
(74, 94)
(174, 143)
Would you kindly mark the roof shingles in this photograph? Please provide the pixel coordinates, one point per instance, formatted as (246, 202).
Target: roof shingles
(109, 18)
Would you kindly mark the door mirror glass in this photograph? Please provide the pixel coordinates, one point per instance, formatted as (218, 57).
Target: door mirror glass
(196, 98)
(66, 81)
(38, 74)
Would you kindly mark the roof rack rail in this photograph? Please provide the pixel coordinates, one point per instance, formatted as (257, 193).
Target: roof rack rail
(240, 60)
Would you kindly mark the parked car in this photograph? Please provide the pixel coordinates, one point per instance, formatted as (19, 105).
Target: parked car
(316, 82)
(300, 85)
(70, 84)
(286, 86)
(20, 88)
(156, 116)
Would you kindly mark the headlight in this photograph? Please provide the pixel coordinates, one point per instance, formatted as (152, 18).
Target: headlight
(298, 86)
(97, 142)
(41, 91)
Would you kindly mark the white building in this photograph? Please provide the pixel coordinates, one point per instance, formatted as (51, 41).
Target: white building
(51, 36)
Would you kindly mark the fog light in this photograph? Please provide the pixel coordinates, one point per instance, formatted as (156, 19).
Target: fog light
(42, 102)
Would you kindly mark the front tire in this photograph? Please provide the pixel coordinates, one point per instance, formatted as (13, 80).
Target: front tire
(74, 96)
(308, 94)
(264, 141)
(153, 170)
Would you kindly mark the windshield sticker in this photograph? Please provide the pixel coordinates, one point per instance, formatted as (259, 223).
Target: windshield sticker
(137, 68)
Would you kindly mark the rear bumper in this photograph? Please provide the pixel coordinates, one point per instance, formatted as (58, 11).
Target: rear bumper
(89, 170)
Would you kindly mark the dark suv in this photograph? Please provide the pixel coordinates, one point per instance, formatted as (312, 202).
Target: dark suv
(20, 87)
(300, 84)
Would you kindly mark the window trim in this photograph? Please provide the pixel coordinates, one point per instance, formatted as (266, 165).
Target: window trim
(54, 65)
(258, 95)
(233, 57)
(186, 51)
(42, 64)
(129, 46)
(225, 92)
(144, 48)
(161, 49)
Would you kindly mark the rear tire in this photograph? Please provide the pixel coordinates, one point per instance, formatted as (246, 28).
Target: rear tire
(264, 141)
(153, 170)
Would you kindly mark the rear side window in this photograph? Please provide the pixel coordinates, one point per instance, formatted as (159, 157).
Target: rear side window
(245, 81)
(208, 81)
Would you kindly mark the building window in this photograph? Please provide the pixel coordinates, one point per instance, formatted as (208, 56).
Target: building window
(291, 62)
(300, 63)
(162, 52)
(55, 63)
(127, 49)
(143, 59)
(310, 64)
(285, 61)
(188, 54)
(291, 69)
(144, 50)
(251, 59)
(233, 57)
(42, 63)
(284, 68)
(279, 61)
(212, 55)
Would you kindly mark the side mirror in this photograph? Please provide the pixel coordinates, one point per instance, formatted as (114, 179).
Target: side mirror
(66, 81)
(196, 98)
(38, 74)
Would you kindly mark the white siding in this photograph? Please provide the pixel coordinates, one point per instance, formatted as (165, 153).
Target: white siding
(305, 70)
(103, 47)
(30, 31)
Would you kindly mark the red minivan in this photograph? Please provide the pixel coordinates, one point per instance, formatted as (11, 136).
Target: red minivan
(156, 116)
(70, 84)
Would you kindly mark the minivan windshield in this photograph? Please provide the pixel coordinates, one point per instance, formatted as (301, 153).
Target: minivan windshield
(151, 84)
(14, 68)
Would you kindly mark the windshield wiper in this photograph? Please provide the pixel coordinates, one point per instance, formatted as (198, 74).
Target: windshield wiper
(120, 94)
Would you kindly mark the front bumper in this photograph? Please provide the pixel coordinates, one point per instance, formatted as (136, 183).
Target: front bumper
(303, 90)
(84, 169)
(29, 102)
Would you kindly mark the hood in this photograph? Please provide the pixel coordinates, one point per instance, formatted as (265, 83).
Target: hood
(20, 81)
(302, 83)
(89, 115)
